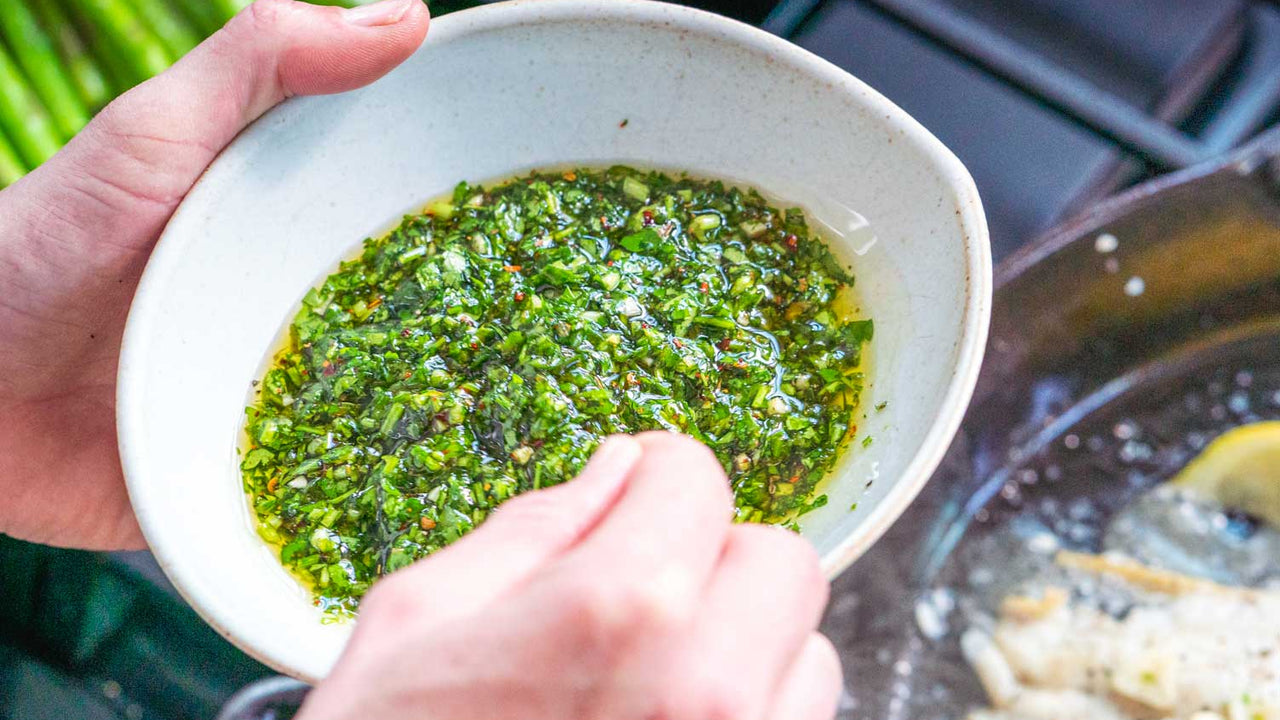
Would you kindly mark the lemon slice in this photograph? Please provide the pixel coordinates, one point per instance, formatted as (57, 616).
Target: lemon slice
(1240, 470)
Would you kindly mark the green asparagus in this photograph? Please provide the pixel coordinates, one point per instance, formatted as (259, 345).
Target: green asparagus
(168, 25)
(11, 167)
(228, 8)
(203, 15)
(22, 117)
(90, 83)
(124, 35)
(119, 76)
(33, 49)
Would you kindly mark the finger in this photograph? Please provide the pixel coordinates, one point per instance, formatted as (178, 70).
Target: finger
(524, 534)
(812, 686)
(760, 608)
(665, 532)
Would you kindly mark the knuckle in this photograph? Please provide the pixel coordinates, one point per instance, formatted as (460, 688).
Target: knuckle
(612, 616)
(787, 549)
(675, 444)
(696, 464)
(264, 14)
(803, 559)
(785, 554)
(537, 515)
(260, 17)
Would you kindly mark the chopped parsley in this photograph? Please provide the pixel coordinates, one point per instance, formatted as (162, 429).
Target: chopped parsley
(485, 347)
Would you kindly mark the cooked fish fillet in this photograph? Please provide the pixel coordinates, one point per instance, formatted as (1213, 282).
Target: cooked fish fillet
(1187, 650)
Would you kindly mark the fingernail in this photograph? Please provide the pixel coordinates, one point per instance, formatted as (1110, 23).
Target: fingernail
(384, 12)
(616, 455)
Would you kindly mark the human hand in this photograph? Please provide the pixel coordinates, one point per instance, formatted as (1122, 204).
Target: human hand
(625, 594)
(76, 233)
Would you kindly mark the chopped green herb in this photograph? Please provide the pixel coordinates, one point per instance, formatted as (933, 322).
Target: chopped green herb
(485, 347)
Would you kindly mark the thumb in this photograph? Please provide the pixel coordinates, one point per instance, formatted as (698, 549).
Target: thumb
(124, 174)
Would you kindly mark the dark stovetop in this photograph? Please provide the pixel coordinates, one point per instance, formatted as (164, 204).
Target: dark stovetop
(1054, 104)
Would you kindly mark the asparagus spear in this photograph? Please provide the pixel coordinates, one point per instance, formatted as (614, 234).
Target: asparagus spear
(89, 81)
(125, 35)
(203, 15)
(168, 25)
(22, 117)
(228, 8)
(34, 51)
(115, 69)
(11, 167)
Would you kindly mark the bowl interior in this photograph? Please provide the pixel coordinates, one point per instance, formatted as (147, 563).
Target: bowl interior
(495, 91)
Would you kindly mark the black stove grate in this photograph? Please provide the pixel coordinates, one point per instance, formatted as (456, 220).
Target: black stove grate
(1054, 104)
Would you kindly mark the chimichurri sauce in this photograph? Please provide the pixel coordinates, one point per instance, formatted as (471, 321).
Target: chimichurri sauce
(485, 347)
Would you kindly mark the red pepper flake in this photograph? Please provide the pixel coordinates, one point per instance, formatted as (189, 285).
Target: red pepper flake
(648, 217)
(794, 479)
(513, 268)
(405, 332)
(519, 296)
(679, 345)
(792, 241)
(624, 123)
(427, 523)
(474, 345)
(724, 344)
(571, 176)
(609, 263)
(644, 325)
(374, 303)
(705, 288)
(306, 371)
(408, 374)
(272, 484)
(604, 223)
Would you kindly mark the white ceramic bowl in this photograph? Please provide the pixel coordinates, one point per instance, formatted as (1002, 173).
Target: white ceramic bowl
(496, 90)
